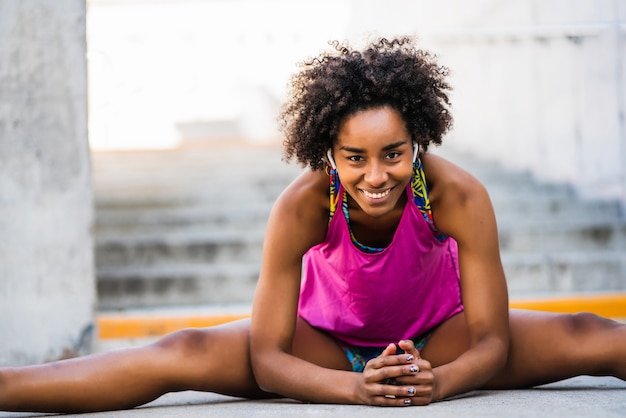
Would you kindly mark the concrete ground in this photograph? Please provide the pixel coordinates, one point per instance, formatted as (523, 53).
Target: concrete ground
(578, 397)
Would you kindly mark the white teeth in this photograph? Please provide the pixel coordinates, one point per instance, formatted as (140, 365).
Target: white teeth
(376, 195)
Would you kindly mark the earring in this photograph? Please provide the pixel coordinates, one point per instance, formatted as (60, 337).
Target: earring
(415, 150)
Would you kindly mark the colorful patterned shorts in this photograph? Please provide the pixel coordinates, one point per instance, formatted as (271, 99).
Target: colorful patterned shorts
(359, 356)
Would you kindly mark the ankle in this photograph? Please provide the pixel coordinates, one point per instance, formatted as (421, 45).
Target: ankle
(3, 389)
(7, 401)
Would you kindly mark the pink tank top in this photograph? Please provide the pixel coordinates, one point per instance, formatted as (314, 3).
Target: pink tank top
(373, 299)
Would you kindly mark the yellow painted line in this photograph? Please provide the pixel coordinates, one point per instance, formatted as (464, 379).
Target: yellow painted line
(136, 326)
(610, 306)
(112, 326)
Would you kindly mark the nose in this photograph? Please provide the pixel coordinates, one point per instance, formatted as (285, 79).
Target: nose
(376, 174)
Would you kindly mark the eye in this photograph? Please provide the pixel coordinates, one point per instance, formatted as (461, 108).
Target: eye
(355, 158)
(393, 155)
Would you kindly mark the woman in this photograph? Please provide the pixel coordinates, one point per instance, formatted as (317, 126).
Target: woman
(381, 280)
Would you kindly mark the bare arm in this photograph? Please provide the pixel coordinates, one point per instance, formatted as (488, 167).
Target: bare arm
(292, 229)
(462, 209)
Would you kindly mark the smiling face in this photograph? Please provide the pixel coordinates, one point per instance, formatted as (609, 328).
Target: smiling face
(374, 158)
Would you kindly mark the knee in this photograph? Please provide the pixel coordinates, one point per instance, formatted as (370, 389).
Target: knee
(583, 323)
(186, 343)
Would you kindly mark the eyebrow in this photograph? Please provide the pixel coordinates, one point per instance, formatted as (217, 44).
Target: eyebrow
(385, 148)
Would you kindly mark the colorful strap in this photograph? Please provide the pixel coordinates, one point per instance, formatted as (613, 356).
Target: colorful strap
(420, 197)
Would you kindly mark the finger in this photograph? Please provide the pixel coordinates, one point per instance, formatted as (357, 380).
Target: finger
(395, 395)
(392, 366)
(398, 374)
(417, 372)
(393, 401)
(408, 347)
(422, 377)
(384, 359)
(390, 350)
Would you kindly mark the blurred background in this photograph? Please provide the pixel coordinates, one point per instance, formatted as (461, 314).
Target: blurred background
(548, 73)
(140, 157)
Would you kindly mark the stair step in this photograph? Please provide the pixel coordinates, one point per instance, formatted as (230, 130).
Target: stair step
(547, 235)
(123, 222)
(547, 206)
(176, 285)
(572, 271)
(187, 246)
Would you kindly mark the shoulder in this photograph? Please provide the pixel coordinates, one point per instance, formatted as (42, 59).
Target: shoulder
(458, 199)
(302, 210)
(448, 180)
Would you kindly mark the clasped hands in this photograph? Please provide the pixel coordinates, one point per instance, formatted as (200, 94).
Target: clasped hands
(394, 379)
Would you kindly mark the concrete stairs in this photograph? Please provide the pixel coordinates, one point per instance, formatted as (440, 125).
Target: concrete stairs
(185, 227)
(552, 240)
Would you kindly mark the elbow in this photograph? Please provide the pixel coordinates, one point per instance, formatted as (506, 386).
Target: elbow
(501, 353)
(502, 358)
(263, 372)
(495, 349)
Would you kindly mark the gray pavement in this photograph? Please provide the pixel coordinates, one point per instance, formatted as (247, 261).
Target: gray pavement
(588, 397)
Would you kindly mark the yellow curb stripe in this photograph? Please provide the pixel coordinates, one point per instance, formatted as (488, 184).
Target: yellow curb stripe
(112, 326)
(127, 326)
(610, 306)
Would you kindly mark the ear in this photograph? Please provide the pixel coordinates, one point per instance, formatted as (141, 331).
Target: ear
(416, 149)
(331, 161)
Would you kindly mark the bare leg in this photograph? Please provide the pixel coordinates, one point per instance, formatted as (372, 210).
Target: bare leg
(318, 347)
(545, 347)
(550, 347)
(213, 359)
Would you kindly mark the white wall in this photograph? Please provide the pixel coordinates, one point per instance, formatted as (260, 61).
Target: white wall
(47, 290)
(154, 65)
(541, 86)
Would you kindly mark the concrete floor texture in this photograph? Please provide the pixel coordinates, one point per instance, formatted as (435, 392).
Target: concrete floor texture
(588, 397)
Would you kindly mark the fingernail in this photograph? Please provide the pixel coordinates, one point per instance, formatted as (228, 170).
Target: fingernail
(410, 357)
(411, 391)
(407, 402)
(414, 368)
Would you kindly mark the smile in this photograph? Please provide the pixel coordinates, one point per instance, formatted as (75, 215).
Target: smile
(376, 195)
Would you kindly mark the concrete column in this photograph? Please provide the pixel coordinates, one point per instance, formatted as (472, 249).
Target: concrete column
(47, 291)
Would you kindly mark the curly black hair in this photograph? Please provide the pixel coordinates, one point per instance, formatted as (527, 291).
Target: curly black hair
(343, 81)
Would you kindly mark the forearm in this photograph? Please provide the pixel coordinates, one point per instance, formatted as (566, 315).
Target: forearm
(292, 377)
(472, 369)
